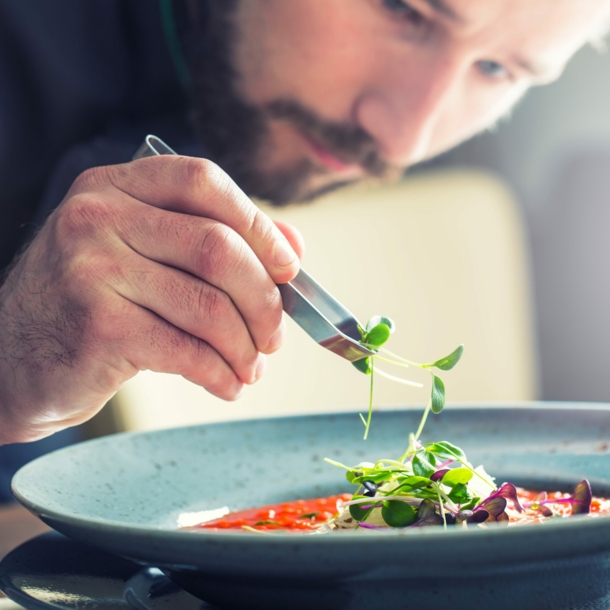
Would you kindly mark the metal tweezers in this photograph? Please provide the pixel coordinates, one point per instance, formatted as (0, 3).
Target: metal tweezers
(314, 309)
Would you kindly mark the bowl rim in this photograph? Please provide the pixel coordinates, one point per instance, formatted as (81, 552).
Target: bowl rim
(392, 536)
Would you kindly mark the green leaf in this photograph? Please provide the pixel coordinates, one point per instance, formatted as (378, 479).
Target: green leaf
(474, 501)
(376, 320)
(356, 510)
(457, 476)
(352, 476)
(363, 365)
(445, 450)
(375, 477)
(421, 465)
(267, 522)
(378, 335)
(438, 395)
(459, 494)
(448, 362)
(411, 485)
(398, 514)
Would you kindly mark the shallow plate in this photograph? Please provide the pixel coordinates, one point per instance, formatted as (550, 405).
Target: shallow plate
(124, 494)
(54, 572)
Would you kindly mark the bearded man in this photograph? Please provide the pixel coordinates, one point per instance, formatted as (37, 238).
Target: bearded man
(165, 263)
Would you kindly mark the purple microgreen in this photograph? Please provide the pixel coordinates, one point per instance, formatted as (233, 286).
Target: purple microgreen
(542, 496)
(509, 492)
(371, 488)
(427, 515)
(503, 518)
(582, 497)
(369, 526)
(478, 516)
(464, 516)
(494, 505)
(544, 510)
(445, 464)
(426, 508)
(439, 474)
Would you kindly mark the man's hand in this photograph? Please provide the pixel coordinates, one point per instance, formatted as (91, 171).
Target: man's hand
(160, 264)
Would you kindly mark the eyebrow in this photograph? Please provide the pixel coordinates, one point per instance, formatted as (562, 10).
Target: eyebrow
(440, 6)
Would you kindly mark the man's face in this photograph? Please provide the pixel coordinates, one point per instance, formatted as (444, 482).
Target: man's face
(328, 92)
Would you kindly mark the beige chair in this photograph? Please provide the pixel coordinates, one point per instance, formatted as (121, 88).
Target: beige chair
(443, 254)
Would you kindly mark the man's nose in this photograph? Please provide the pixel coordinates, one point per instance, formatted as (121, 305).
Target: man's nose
(402, 111)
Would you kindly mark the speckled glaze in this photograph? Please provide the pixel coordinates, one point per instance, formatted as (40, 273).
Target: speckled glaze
(124, 493)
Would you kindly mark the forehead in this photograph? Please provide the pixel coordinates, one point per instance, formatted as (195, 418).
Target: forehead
(551, 29)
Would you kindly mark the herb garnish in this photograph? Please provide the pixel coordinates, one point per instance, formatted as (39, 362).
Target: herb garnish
(431, 484)
(374, 336)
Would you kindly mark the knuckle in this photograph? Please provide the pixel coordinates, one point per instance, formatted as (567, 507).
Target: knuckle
(201, 176)
(260, 227)
(82, 215)
(219, 251)
(90, 178)
(212, 304)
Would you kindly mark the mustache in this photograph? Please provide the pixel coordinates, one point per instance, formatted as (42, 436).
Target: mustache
(349, 143)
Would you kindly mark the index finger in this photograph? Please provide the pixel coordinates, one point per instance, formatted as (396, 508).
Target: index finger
(199, 187)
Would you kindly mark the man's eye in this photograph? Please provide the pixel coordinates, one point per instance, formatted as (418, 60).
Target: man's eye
(493, 69)
(403, 9)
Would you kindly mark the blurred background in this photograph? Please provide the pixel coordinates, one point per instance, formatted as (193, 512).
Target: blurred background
(555, 154)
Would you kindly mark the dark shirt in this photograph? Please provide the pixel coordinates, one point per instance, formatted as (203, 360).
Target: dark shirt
(81, 84)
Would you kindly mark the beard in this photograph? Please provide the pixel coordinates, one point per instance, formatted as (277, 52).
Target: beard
(236, 133)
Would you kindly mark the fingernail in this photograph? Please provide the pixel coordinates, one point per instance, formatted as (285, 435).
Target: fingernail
(260, 367)
(278, 337)
(284, 254)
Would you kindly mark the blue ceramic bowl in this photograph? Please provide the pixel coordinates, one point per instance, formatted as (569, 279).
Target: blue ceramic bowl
(123, 494)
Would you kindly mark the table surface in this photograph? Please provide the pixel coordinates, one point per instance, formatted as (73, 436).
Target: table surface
(16, 526)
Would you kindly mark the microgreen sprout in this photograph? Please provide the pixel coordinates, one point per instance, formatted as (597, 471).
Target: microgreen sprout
(432, 484)
(376, 334)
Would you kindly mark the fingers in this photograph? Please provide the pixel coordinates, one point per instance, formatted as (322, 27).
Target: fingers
(212, 252)
(294, 237)
(199, 187)
(193, 306)
(149, 342)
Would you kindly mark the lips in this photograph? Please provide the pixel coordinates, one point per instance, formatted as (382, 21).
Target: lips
(330, 161)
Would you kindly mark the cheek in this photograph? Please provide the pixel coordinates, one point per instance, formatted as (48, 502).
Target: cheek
(314, 51)
(478, 109)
